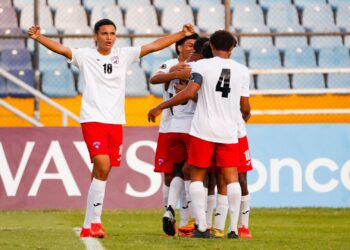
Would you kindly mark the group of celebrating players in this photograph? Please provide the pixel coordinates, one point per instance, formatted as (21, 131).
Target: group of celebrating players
(202, 140)
(202, 136)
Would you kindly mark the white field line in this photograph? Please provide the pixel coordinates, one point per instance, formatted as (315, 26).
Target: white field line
(90, 242)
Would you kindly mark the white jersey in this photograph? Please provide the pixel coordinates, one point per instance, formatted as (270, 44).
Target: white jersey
(217, 114)
(182, 114)
(104, 94)
(166, 113)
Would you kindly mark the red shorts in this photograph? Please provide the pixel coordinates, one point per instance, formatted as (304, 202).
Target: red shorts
(203, 152)
(104, 139)
(179, 144)
(166, 155)
(244, 155)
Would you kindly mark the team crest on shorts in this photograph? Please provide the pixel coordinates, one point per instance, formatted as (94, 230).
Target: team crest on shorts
(96, 144)
(115, 59)
(160, 161)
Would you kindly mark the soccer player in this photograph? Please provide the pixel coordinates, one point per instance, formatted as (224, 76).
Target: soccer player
(219, 82)
(102, 112)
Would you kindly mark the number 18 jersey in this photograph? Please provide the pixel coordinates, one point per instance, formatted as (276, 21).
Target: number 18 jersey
(224, 81)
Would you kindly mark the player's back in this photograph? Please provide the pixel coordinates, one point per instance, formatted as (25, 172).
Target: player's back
(218, 106)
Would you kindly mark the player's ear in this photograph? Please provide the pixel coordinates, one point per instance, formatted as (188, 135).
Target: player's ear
(95, 37)
(179, 48)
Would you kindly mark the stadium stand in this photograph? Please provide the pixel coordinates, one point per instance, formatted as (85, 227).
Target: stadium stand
(216, 20)
(161, 4)
(154, 60)
(15, 59)
(112, 12)
(282, 15)
(12, 43)
(8, 18)
(196, 4)
(264, 58)
(247, 16)
(72, 17)
(308, 81)
(325, 41)
(58, 83)
(56, 4)
(136, 81)
(25, 75)
(267, 4)
(3, 87)
(125, 4)
(91, 4)
(318, 16)
(238, 55)
(273, 81)
(336, 81)
(174, 16)
(343, 16)
(301, 4)
(79, 42)
(5, 3)
(256, 42)
(147, 14)
(283, 42)
(51, 61)
(27, 17)
(334, 57)
(300, 58)
(22, 4)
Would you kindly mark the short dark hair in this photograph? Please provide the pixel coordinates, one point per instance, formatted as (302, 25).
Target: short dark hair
(198, 45)
(103, 22)
(222, 40)
(180, 42)
(206, 51)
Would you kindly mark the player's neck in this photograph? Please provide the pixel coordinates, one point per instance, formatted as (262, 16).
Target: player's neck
(104, 52)
(222, 54)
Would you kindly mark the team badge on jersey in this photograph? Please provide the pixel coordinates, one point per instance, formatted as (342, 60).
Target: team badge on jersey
(163, 66)
(115, 59)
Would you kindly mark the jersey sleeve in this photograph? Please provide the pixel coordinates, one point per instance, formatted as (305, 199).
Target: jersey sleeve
(245, 83)
(132, 54)
(77, 57)
(165, 67)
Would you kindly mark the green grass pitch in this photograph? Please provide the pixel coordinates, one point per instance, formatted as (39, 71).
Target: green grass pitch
(309, 228)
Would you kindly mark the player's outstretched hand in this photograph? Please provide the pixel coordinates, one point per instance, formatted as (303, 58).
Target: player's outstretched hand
(34, 32)
(153, 113)
(188, 29)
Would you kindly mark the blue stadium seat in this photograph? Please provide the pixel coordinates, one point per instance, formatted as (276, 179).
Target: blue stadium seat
(27, 17)
(11, 43)
(154, 60)
(71, 17)
(196, 4)
(337, 3)
(266, 4)
(334, 57)
(281, 16)
(318, 16)
(256, 42)
(216, 20)
(161, 4)
(325, 41)
(126, 4)
(174, 17)
(343, 16)
(283, 42)
(26, 76)
(156, 89)
(239, 56)
(272, 81)
(235, 2)
(56, 4)
(247, 16)
(264, 58)
(16, 59)
(308, 81)
(134, 14)
(79, 42)
(90, 4)
(139, 41)
(5, 3)
(136, 84)
(8, 17)
(112, 12)
(3, 87)
(22, 4)
(336, 81)
(299, 58)
(49, 60)
(122, 42)
(46, 31)
(58, 83)
(301, 4)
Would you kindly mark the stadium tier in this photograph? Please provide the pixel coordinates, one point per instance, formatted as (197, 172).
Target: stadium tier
(252, 18)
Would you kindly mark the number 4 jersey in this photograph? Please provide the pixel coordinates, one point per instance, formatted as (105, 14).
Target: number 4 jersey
(105, 77)
(223, 82)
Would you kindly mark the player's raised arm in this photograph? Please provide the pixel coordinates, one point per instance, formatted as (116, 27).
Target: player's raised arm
(188, 93)
(166, 41)
(35, 34)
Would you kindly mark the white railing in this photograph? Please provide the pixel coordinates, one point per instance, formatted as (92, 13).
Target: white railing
(65, 112)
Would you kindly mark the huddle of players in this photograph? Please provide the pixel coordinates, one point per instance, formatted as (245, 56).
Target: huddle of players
(174, 143)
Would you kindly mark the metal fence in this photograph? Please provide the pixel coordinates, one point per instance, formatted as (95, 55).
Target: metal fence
(297, 51)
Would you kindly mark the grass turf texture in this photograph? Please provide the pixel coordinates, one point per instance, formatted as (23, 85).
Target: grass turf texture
(315, 228)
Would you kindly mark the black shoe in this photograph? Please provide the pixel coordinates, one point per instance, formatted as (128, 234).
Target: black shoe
(169, 221)
(199, 234)
(232, 235)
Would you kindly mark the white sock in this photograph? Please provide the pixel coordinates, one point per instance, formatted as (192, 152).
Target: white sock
(188, 198)
(184, 209)
(165, 195)
(89, 209)
(234, 195)
(97, 192)
(210, 210)
(176, 187)
(244, 211)
(206, 198)
(221, 212)
(198, 195)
